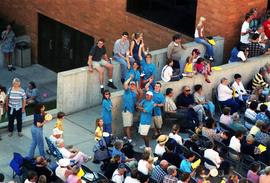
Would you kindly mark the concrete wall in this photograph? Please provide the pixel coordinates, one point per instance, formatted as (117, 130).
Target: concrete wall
(78, 89)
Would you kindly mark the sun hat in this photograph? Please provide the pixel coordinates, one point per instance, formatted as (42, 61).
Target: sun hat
(149, 93)
(56, 131)
(63, 162)
(162, 139)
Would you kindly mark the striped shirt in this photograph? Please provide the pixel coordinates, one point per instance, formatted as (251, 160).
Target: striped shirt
(258, 81)
(15, 98)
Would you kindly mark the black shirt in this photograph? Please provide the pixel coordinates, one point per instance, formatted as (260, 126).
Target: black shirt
(184, 101)
(191, 145)
(97, 52)
(44, 171)
(172, 158)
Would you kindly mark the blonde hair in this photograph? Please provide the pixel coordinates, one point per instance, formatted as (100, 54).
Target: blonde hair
(201, 20)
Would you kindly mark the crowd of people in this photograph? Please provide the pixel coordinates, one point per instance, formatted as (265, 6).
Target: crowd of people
(211, 150)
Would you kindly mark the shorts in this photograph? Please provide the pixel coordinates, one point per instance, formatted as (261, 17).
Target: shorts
(127, 119)
(144, 129)
(99, 63)
(156, 122)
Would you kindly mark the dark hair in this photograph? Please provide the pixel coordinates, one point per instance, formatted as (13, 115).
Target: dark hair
(148, 55)
(2, 177)
(125, 34)
(38, 108)
(31, 175)
(33, 84)
(187, 59)
(134, 173)
(253, 105)
(175, 128)
(60, 114)
(200, 60)
(261, 98)
(248, 15)
(227, 133)
(263, 108)
(169, 61)
(185, 176)
(264, 127)
(101, 40)
(237, 76)
(238, 133)
(145, 155)
(255, 36)
(226, 110)
(169, 91)
(158, 83)
(136, 35)
(197, 87)
(209, 144)
(189, 155)
(170, 146)
(255, 167)
(106, 91)
(2, 88)
(209, 123)
(176, 36)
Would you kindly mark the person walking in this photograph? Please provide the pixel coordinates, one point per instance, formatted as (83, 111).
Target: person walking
(15, 106)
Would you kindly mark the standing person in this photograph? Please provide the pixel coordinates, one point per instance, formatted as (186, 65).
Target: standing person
(107, 111)
(99, 129)
(8, 45)
(129, 102)
(146, 107)
(175, 49)
(97, 60)
(136, 44)
(60, 120)
(201, 39)
(15, 106)
(37, 131)
(245, 30)
(133, 69)
(159, 100)
(121, 52)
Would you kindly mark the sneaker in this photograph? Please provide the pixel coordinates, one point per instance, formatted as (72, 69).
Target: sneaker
(142, 147)
(20, 134)
(110, 84)
(13, 68)
(211, 59)
(102, 90)
(10, 134)
(9, 68)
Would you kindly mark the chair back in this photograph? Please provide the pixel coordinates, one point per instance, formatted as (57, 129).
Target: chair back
(209, 162)
(16, 163)
(53, 150)
(233, 154)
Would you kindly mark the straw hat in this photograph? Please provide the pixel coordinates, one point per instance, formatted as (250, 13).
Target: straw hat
(162, 139)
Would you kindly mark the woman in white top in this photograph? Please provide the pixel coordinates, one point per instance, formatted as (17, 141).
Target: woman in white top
(225, 96)
(167, 72)
(160, 147)
(200, 38)
(175, 134)
(145, 165)
(239, 88)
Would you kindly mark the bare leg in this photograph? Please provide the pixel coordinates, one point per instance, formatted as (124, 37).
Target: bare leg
(101, 75)
(109, 67)
(146, 140)
(128, 132)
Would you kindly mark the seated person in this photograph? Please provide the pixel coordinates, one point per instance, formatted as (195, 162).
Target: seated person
(185, 102)
(145, 165)
(32, 177)
(262, 136)
(74, 178)
(191, 143)
(112, 166)
(175, 134)
(212, 155)
(185, 166)
(172, 111)
(210, 130)
(258, 79)
(32, 94)
(238, 54)
(253, 173)
(160, 147)
(256, 128)
(160, 171)
(225, 96)
(203, 67)
(57, 134)
(235, 142)
(172, 174)
(134, 71)
(118, 145)
(170, 156)
(43, 169)
(64, 169)
(167, 72)
(134, 176)
(72, 154)
(148, 69)
(255, 49)
(189, 69)
(264, 178)
(226, 117)
(251, 111)
(236, 125)
(262, 114)
(238, 87)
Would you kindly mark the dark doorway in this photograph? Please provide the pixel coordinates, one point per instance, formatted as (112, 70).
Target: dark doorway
(61, 47)
(179, 15)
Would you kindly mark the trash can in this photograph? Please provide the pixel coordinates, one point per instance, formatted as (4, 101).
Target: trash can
(23, 54)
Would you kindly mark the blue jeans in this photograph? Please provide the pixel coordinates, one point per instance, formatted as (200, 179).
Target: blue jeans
(232, 103)
(107, 128)
(210, 107)
(209, 48)
(37, 140)
(123, 65)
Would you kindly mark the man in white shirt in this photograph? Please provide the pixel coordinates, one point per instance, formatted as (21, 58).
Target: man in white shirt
(235, 141)
(118, 174)
(212, 155)
(245, 30)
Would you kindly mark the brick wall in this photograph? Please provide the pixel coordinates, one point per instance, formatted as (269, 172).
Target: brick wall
(225, 18)
(98, 18)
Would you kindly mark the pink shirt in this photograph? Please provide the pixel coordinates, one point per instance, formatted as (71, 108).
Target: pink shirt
(254, 177)
(225, 119)
(73, 179)
(264, 179)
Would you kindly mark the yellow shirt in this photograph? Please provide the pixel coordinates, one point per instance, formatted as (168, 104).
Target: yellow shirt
(59, 124)
(98, 133)
(188, 68)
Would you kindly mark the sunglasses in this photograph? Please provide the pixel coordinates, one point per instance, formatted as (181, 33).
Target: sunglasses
(107, 94)
(187, 90)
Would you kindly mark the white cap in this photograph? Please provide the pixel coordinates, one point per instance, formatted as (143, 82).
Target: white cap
(56, 131)
(149, 93)
(63, 162)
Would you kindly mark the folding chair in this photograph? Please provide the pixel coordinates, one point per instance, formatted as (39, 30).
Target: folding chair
(248, 122)
(16, 165)
(53, 150)
(234, 157)
(221, 148)
(218, 105)
(209, 162)
(247, 160)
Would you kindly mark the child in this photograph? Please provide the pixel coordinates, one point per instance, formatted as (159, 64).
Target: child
(188, 70)
(203, 67)
(175, 134)
(226, 118)
(59, 121)
(262, 114)
(99, 129)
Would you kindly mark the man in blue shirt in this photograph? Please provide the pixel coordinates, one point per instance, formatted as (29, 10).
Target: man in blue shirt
(159, 100)
(146, 107)
(148, 69)
(129, 102)
(185, 166)
(134, 70)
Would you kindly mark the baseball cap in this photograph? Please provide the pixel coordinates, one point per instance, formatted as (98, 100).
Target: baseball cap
(132, 82)
(149, 93)
(56, 131)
